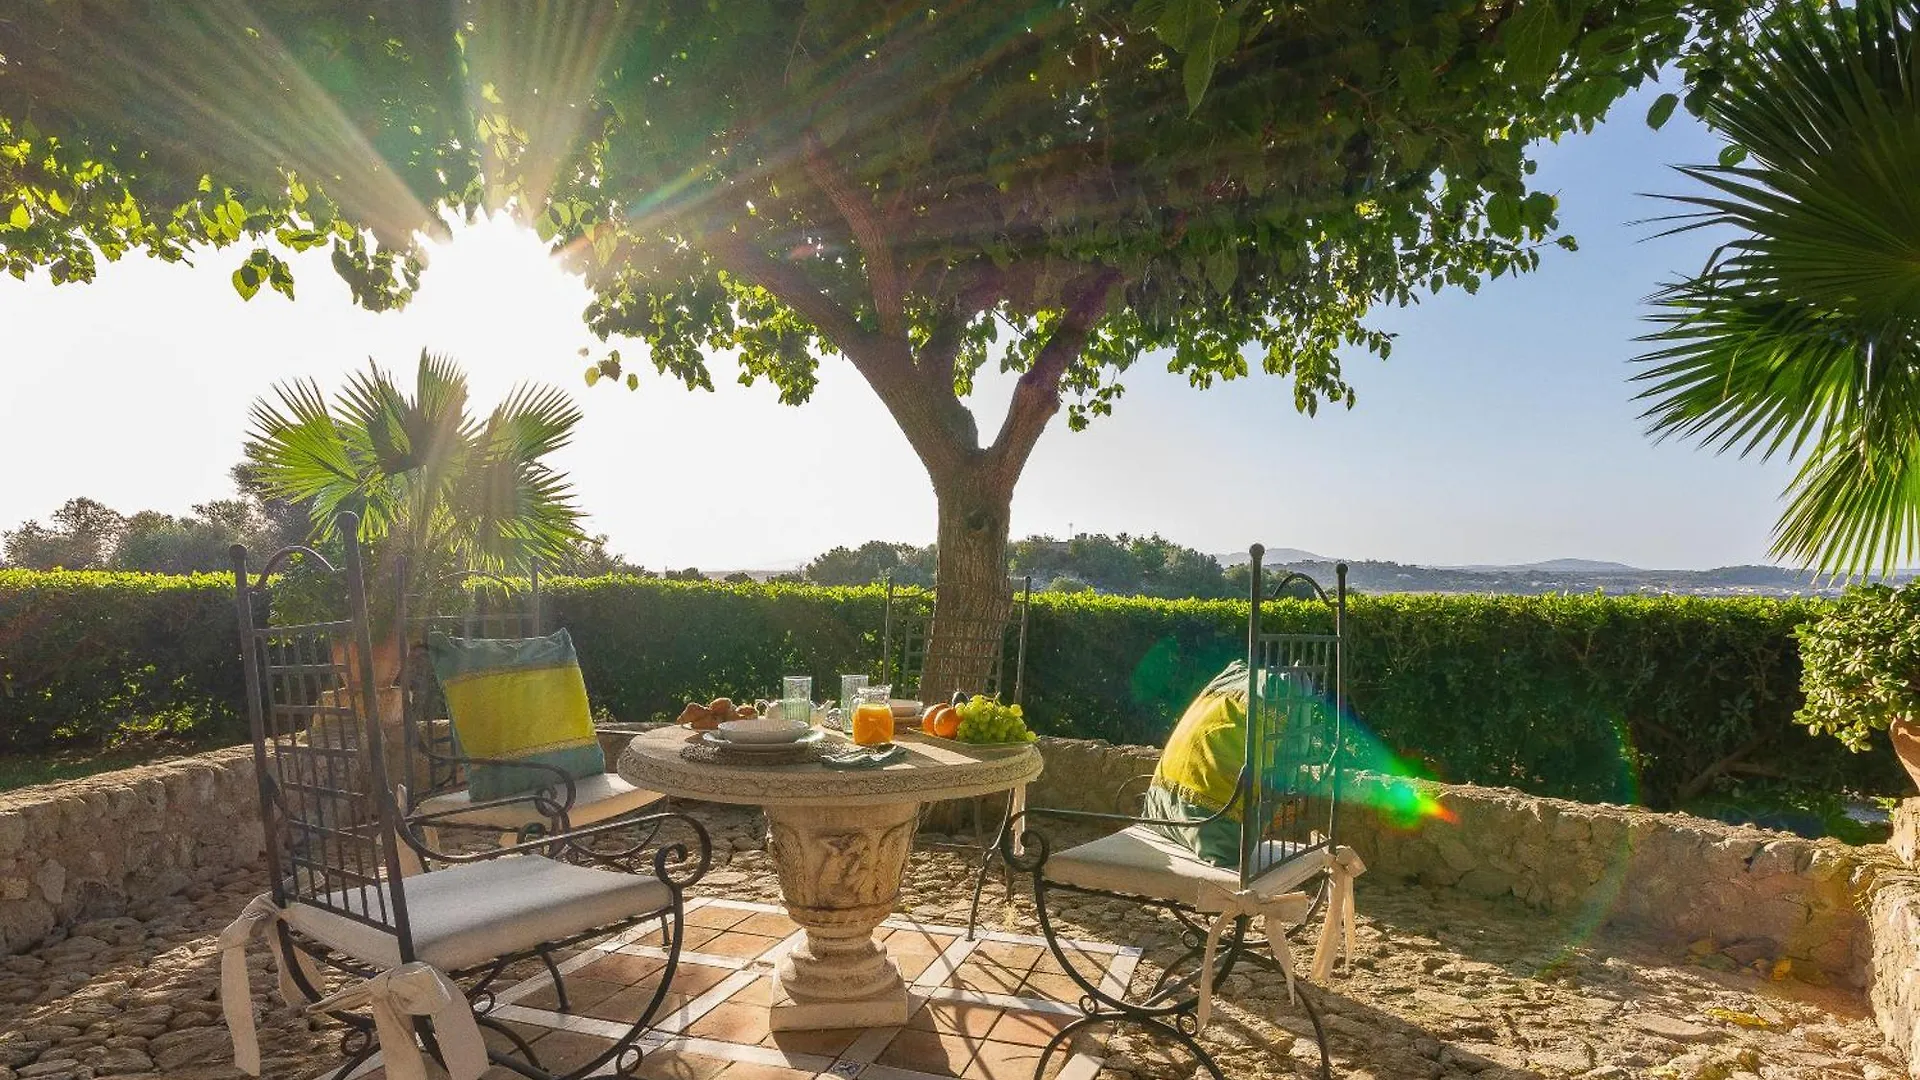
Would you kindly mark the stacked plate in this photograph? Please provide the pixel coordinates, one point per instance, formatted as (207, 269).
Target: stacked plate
(763, 734)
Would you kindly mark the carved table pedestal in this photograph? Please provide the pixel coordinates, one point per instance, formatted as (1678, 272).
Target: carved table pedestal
(840, 841)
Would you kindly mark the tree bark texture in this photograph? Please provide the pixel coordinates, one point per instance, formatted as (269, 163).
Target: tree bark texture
(971, 601)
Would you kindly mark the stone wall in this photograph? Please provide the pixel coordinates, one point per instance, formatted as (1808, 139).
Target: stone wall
(88, 848)
(1741, 896)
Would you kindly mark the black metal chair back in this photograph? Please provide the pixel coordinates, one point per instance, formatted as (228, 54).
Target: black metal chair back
(1296, 702)
(908, 623)
(324, 799)
(485, 605)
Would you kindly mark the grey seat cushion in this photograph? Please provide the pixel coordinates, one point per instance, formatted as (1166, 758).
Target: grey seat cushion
(469, 914)
(1140, 861)
(597, 797)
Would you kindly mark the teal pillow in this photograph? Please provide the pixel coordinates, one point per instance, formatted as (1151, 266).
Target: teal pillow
(517, 700)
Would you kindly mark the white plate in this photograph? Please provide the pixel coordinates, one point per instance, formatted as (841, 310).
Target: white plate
(904, 707)
(714, 738)
(762, 729)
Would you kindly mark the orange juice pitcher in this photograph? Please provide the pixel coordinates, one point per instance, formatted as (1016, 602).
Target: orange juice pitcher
(872, 715)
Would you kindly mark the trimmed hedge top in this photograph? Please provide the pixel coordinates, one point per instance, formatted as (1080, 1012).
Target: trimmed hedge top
(1643, 699)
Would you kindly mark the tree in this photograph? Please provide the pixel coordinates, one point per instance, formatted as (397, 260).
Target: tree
(1802, 334)
(920, 189)
(589, 557)
(437, 489)
(873, 561)
(82, 537)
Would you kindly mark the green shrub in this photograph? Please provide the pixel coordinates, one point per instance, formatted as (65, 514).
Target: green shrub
(87, 655)
(1657, 700)
(1862, 663)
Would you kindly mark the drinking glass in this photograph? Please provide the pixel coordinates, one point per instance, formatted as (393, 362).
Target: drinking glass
(796, 698)
(873, 715)
(850, 686)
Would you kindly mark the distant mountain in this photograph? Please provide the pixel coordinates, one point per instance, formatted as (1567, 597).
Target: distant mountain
(1574, 566)
(1273, 555)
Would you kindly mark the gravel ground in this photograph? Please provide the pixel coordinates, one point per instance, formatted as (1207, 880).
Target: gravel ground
(1445, 986)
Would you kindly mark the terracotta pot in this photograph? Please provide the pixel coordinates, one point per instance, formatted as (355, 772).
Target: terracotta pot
(1905, 735)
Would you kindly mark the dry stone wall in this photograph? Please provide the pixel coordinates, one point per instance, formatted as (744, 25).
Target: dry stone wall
(90, 848)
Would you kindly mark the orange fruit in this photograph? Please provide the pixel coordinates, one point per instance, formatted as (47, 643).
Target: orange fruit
(946, 723)
(931, 720)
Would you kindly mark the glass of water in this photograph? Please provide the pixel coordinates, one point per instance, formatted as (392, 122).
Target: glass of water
(796, 698)
(850, 687)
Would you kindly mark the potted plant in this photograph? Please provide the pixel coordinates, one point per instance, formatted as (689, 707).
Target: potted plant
(436, 488)
(1860, 670)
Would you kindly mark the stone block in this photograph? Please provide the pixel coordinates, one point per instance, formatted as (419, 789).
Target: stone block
(1906, 832)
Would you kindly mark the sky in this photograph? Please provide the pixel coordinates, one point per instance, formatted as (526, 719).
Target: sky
(1502, 430)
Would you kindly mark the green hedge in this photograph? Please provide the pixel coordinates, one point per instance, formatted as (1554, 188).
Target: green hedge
(1596, 698)
(87, 655)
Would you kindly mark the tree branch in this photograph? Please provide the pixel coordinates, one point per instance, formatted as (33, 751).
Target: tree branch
(883, 277)
(787, 282)
(936, 360)
(1037, 395)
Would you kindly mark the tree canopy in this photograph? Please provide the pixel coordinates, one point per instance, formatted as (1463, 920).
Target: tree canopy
(922, 188)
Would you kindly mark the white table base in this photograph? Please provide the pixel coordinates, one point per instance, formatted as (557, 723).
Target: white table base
(840, 871)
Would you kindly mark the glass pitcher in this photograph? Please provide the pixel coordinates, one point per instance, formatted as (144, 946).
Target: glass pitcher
(872, 722)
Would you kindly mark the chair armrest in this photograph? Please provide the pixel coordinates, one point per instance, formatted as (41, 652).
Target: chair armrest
(667, 860)
(1037, 842)
(561, 785)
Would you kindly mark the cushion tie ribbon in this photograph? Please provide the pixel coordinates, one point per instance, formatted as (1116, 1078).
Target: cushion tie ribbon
(400, 994)
(260, 917)
(1337, 932)
(1231, 904)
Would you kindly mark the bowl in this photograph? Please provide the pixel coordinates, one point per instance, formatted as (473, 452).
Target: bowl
(763, 729)
(905, 709)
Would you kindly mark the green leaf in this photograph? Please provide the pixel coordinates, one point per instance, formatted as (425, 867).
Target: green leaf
(20, 218)
(246, 280)
(1196, 71)
(1661, 110)
(593, 375)
(1503, 216)
(1731, 155)
(57, 203)
(1534, 39)
(633, 381)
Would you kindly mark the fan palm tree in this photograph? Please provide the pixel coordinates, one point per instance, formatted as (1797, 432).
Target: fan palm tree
(1802, 333)
(433, 485)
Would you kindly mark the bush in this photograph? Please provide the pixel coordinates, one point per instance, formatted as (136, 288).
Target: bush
(1653, 700)
(87, 655)
(1862, 663)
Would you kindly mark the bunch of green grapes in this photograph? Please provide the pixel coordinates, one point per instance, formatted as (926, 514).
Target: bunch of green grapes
(984, 720)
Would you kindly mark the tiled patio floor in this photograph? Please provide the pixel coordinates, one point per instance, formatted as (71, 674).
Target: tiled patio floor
(983, 1008)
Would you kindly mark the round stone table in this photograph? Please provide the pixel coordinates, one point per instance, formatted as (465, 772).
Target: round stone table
(839, 839)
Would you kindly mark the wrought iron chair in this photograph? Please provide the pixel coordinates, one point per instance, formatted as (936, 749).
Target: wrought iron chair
(903, 650)
(490, 606)
(1285, 799)
(421, 952)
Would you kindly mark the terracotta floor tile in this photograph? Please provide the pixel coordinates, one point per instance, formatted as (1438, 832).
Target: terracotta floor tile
(936, 1052)
(1082, 961)
(771, 923)
(717, 918)
(826, 1042)
(581, 992)
(737, 944)
(1052, 987)
(758, 992)
(918, 941)
(989, 978)
(621, 969)
(696, 979)
(913, 965)
(1008, 954)
(752, 1070)
(730, 1022)
(625, 1006)
(957, 1018)
(564, 1051)
(669, 1064)
(1028, 1028)
(697, 936)
(1006, 1061)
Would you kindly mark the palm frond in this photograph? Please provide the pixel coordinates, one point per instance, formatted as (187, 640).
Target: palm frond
(1801, 332)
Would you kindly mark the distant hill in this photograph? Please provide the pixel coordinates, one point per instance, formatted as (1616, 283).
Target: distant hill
(1273, 555)
(1574, 566)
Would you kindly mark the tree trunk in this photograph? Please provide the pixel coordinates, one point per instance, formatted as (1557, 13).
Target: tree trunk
(971, 599)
